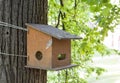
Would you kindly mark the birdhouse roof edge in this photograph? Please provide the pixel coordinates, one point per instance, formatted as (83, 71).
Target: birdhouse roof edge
(53, 32)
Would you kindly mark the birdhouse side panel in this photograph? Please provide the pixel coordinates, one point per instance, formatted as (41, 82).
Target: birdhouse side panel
(61, 53)
(38, 51)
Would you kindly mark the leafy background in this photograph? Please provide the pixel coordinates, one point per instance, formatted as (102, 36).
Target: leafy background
(91, 19)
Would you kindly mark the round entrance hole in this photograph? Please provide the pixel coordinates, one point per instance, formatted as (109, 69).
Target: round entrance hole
(38, 55)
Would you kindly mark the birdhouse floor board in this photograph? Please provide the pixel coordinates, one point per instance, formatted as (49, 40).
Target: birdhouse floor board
(65, 67)
(53, 69)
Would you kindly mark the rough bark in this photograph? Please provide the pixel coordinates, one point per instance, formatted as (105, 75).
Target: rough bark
(12, 41)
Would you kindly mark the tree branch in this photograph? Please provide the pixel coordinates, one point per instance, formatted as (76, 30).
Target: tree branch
(61, 15)
(61, 3)
(58, 20)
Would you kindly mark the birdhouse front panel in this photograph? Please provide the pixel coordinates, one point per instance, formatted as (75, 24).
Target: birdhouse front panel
(61, 52)
(39, 55)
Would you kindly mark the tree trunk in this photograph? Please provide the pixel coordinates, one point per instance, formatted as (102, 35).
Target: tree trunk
(12, 41)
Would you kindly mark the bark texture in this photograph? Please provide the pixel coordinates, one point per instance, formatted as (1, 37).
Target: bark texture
(12, 41)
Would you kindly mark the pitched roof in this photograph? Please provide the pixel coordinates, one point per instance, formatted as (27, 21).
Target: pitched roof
(54, 32)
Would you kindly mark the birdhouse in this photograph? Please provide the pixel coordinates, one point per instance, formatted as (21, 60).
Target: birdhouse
(48, 48)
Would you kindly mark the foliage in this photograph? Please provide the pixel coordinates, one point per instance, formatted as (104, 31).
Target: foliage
(74, 16)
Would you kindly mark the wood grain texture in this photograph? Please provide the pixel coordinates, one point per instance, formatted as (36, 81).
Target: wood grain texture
(19, 12)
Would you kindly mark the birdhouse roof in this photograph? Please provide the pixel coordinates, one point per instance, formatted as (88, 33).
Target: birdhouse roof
(54, 32)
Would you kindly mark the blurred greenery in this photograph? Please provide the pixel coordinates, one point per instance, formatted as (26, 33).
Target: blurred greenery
(91, 19)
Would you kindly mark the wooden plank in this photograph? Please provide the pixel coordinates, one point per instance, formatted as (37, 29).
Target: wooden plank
(53, 69)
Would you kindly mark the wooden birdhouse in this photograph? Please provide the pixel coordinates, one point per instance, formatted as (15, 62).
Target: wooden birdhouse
(48, 48)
